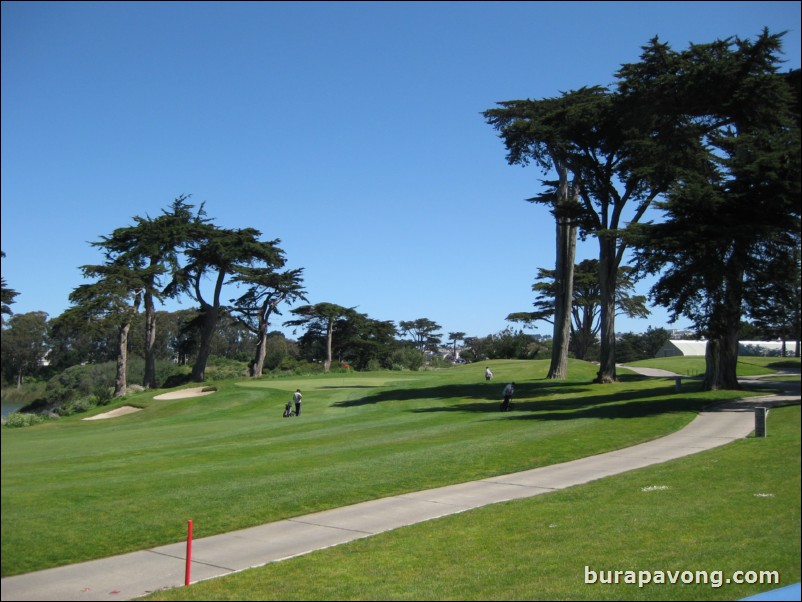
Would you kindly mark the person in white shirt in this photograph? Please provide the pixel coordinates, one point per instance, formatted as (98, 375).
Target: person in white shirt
(297, 399)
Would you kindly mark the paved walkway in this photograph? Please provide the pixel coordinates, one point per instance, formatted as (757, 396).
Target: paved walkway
(136, 574)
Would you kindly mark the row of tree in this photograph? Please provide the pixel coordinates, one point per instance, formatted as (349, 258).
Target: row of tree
(68, 342)
(708, 135)
(168, 257)
(173, 255)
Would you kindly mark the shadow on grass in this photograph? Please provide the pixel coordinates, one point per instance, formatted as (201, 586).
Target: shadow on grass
(537, 399)
(349, 387)
(483, 391)
(641, 407)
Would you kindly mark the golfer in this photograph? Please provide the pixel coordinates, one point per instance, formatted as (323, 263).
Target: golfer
(297, 399)
(507, 393)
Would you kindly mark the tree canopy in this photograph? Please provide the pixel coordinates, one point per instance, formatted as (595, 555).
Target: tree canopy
(7, 296)
(674, 122)
(585, 310)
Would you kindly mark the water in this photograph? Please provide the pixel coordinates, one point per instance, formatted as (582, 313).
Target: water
(10, 407)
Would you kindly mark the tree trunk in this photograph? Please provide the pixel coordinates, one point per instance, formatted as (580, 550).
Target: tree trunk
(712, 364)
(729, 358)
(608, 270)
(582, 337)
(149, 380)
(261, 335)
(725, 327)
(211, 315)
(721, 361)
(208, 327)
(563, 278)
(121, 379)
(563, 299)
(261, 350)
(329, 336)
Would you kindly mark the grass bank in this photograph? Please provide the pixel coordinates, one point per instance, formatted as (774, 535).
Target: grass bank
(229, 461)
(734, 508)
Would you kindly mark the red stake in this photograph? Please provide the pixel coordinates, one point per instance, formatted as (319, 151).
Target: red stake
(189, 553)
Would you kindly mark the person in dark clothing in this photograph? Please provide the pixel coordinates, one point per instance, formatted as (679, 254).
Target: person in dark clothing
(507, 393)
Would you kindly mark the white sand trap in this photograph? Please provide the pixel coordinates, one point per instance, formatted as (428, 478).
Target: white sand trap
(182, 393)
(121, 411)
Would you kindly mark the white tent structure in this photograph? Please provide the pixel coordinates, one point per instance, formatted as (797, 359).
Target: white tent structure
(674, 347)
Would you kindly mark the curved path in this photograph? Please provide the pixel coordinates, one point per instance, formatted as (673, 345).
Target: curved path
(136, 574)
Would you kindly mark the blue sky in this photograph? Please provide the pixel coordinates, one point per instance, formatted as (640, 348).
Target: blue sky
(350, 131)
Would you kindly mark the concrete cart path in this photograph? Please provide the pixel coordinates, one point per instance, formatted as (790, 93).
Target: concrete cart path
(136, 574)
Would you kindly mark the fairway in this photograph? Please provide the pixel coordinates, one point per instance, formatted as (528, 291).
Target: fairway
(228, 460)
(356, 380)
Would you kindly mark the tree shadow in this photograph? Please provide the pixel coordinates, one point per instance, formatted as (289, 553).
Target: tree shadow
(640, 406)
(535, 398)
(483, 391)
(349, 387)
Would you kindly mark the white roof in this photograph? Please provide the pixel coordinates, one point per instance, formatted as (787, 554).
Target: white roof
(683, 347)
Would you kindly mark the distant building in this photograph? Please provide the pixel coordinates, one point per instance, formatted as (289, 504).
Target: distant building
(679, 347)
(674, 347)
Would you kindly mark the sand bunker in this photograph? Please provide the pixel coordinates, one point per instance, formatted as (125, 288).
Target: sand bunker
(182, 393)
(121, 411)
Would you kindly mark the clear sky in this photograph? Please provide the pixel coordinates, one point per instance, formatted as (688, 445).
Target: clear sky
(351, 131)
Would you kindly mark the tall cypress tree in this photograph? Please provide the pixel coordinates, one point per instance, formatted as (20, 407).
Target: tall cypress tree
(153, 246)
(735, 217)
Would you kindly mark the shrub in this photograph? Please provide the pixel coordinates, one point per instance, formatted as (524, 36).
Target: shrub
(291, 365)
(29, 392)
(175, 380)
(439, 362)
(219, 368)
(406, 359)
(102, 394)
(20, 419)
(74, 407)
(274, 356)
(80, 381)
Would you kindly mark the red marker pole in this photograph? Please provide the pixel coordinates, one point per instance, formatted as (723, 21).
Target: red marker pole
(189, 553)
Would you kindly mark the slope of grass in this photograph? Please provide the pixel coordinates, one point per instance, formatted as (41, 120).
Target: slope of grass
(734, 508)
(229, 461)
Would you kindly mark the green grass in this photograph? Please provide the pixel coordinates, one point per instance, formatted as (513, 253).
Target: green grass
(229, 461)
(734, 508)
(694, 365)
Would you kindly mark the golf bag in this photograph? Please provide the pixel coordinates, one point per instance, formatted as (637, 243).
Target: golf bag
(288, 411)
